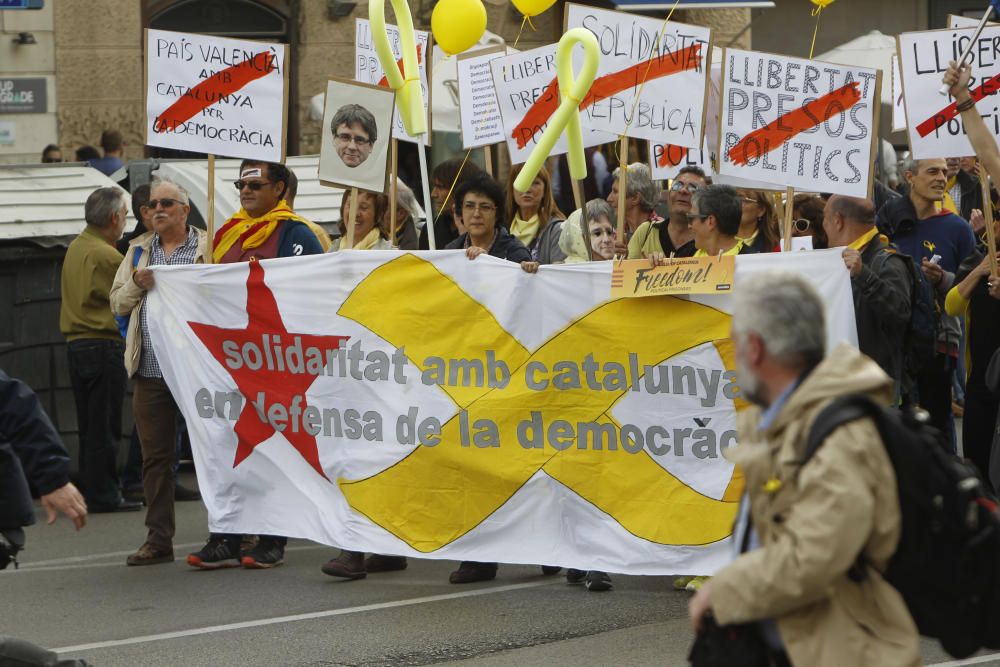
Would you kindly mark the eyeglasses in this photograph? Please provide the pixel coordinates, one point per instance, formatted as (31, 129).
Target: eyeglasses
(802, 225)
(471, 207)
(166, 203)
(253, 185)
(679, 185)
(347, 138)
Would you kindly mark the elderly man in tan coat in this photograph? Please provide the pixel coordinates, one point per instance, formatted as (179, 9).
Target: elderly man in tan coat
(801, 527)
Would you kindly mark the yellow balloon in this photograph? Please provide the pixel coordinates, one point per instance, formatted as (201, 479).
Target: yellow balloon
(532, 7)
(458, 24)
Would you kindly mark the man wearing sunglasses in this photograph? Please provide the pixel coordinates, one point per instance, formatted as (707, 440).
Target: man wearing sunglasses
(170, 241)
(656, 240)
(354, 133)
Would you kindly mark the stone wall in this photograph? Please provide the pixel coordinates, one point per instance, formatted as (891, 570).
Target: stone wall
(32, 132)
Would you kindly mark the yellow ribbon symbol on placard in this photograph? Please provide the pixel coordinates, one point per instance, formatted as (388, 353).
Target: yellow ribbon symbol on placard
(435, 495)
(567, 116)
(409, 94)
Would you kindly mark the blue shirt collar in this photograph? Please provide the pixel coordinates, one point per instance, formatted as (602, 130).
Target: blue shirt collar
(768, 416)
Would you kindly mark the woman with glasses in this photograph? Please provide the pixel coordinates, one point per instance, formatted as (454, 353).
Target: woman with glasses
(369, 233)
(537, 221)
(481, 201)
(758, 226)
(807, 214)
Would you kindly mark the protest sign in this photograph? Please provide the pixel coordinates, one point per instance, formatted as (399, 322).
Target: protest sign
(357, 122)
(935, 128)
(526, 89)
(368, 69)
(673, 60)
(450, 421)
(898, 108)
(477, 98)
(958, 21)
(666, 160)
(216, 95)
(687, 275)
(803, 123)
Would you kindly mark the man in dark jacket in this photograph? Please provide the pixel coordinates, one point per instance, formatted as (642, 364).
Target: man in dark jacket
(880, 281)
(31, 453)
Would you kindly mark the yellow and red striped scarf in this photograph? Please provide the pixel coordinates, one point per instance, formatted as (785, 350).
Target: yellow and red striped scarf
(251, 232)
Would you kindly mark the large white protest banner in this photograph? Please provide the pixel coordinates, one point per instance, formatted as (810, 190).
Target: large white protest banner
(528, 94)
(652, 79)
(936, 129)
(803, 123)
(368, 69)
(898, 107)
(216, 95)
(477, 98)
(451, 421)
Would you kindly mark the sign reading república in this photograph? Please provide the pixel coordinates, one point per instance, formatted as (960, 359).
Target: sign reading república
(23, 95)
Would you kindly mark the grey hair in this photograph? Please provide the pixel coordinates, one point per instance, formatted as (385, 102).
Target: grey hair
(912, 165)
(724, 203)
(349, 114)
(181, 192)
(599, 208)
(786, 312)
(405, 199)
(640, 180)
(102, 205)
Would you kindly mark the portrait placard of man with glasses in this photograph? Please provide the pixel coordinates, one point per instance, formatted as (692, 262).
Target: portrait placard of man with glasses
(354, 133)
(355, 148)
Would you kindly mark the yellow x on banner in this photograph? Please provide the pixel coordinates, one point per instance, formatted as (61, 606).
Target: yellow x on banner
(435, 495)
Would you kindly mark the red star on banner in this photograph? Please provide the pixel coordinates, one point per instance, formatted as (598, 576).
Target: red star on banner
(262, 373)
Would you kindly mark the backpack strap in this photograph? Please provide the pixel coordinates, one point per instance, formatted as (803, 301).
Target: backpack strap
(839, 412)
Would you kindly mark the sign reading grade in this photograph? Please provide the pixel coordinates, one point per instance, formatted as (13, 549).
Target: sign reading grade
(528, 94)
(799, 122)
(935, 125)
(215, 95)
(673, 62)
(477, 99)
(368, 69)
(23, 95)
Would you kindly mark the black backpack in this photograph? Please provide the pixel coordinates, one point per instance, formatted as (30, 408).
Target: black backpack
(947, 563)
(920, 341)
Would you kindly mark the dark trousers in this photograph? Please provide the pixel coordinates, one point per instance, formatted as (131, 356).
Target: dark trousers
(934, 384)
(156, 420)
(97, 373)
(132, 471)
(979, 425)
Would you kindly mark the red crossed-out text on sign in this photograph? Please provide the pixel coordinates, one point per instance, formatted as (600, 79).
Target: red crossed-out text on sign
(384, 81)
(631, 77)
(212, 89)
(987, 88)
(773, 135)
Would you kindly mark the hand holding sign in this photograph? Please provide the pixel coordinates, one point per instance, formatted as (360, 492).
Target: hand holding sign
(567, 116)
(409, 94)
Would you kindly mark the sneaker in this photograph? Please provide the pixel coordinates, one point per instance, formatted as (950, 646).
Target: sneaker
(574, 576)
(348, 565)
(247, 543)
(597, 581)
(551, 570)
(184, 494)
(150, 555)
(218, 552)
(695, 583)
(680, 583)
(470, 572)
(382, 563)
(269, 552)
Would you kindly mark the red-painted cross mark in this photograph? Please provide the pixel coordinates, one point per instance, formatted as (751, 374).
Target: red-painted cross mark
(214, 88)
(774, 135)
(672, 156)
(604, 87)
(988, 87)
(384, 81)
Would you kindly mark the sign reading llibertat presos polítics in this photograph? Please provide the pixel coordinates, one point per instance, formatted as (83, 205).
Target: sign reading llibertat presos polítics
(216, 95)
(801, 123)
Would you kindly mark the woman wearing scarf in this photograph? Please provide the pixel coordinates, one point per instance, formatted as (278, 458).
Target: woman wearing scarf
(537, 221)
(368, 222)
(758, 226)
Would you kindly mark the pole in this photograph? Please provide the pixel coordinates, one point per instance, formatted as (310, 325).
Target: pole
(488, 159)
(393, 148)
(352, 215)
(787, 227)
(622, 188)
(991, 236)
(972, 44)
(210, 213)
(428, 214)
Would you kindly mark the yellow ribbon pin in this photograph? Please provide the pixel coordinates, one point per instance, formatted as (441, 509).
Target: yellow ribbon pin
(567, 117)
(409, 94)
(772, 486)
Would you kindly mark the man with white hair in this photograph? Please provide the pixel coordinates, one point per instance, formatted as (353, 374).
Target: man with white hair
(642, 194)
(172, 241)
(801, 528)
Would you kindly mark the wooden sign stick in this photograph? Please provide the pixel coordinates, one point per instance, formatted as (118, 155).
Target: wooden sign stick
(393, 163)
(352, 214)
(991, 236)
(210, 213)
(622, 188)
(787, 226)
(488, 159)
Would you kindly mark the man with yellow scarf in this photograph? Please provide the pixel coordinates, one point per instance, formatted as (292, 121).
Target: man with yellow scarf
(265, 228)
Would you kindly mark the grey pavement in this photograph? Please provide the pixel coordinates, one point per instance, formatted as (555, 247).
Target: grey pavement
(74, 593)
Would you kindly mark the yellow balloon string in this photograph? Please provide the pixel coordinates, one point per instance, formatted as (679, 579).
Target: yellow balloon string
(817, 13)
(447, 198)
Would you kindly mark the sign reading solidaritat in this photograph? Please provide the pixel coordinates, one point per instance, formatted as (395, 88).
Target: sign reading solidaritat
(368, 69)
(935, 125)
(450, 422)
(652, 80)
(216, 95)
(803, 123)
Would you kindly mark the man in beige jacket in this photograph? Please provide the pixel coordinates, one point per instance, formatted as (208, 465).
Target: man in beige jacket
(801, 528)
(172, 241)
